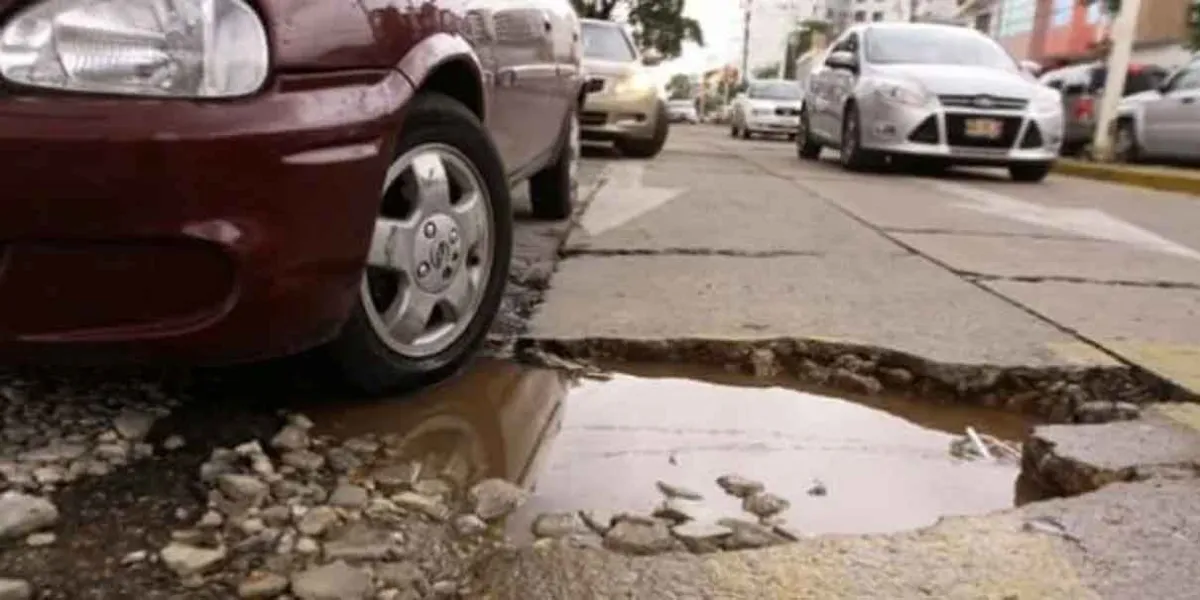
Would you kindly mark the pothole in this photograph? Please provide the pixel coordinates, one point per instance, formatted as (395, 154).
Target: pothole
(842, 465)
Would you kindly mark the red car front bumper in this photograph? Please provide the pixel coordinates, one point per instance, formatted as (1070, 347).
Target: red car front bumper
(189, 232)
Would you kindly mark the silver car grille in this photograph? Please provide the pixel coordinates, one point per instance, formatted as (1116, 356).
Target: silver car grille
(982, 102)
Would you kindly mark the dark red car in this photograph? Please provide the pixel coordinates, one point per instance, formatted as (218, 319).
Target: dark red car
(204, 181)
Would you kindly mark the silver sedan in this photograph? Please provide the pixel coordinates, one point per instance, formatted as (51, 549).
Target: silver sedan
(937, 94)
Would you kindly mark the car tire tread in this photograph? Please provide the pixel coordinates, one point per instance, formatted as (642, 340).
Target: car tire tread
(552, 190)
(652, 146)
(1030, 173)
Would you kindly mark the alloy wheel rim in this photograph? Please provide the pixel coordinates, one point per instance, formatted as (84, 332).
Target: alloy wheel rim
(431, 253)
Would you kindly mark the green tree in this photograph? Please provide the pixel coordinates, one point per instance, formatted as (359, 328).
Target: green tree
(657, 24)
(679, 87)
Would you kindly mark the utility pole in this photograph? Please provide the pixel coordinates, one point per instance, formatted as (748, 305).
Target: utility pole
(746, 41)
(1121, 32)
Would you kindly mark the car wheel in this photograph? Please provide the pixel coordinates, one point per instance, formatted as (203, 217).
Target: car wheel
(1030, 172)
(806, 148)
(1125, 145)
(746, 134)
(552, 191)
(854, 157)
(647, 148)
(733, 130)
(438, 257)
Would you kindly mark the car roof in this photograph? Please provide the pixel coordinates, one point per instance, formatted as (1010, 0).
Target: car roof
(913, 26)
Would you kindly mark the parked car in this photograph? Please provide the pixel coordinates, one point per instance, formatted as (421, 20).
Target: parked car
(623, 104)
(768, 106)
(1082, 87)
(683, 111)
(232, 183)
(935, 94)
(1162, 123)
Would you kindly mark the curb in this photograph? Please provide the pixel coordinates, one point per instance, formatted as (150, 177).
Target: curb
(1150, 178)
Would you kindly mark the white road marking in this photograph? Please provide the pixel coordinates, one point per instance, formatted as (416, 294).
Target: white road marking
(624, 198)
(1089, 222)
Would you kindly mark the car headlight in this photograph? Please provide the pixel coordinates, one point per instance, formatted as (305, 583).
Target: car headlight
(1046, 104)
(902, 93)
(174, 48)
(637, 82)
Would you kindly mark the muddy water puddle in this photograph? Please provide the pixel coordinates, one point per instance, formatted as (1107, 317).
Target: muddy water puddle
(846, 466)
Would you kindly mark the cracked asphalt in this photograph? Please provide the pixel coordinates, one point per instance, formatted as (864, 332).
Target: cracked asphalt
(966, 267)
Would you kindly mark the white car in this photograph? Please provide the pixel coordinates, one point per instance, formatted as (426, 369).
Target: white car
(768, 106)
(683, 111)
(937, 95)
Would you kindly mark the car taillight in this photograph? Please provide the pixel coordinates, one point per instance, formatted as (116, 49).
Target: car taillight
(1084, 108)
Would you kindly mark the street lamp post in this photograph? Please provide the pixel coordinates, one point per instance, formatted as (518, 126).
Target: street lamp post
(1122, 33)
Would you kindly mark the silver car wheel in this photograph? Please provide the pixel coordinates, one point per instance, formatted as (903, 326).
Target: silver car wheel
(428, 266)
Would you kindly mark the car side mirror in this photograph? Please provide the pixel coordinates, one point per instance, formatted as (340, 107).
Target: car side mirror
(842, 60)
(1164, 86)
(652, 58)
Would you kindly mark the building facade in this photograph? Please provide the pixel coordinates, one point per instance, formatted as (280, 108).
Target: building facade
(1065, 31)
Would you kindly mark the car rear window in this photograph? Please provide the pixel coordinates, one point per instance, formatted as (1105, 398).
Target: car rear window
(1138, 80)
(606, 42)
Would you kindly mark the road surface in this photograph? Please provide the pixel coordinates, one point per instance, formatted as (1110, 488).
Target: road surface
(741, 239)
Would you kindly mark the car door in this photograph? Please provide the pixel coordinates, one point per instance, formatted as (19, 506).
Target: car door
(566, 52)
(1171, 123)
(527, 80)
(841, 86)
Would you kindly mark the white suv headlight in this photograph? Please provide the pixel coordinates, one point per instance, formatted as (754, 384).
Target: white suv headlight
(175, 48)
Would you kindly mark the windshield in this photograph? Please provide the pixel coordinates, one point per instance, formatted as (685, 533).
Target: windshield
(774, 90)
(935, 46)
(606, 42)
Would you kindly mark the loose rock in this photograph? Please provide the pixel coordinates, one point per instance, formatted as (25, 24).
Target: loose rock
(349, 496)
(492, 499)
(469, 525)
(675, 491)
(765, 505)
(598, 521)
(748, 535)
(290, 438)
(702, 536)
(263, 585)
(22, 514)
(134, 425)
(187, 560)
(431, 507)
(317, 521)
(15, 589)
(557, 525)
(37, 540)
(335, 581)
(244, 489)
(639, 539)
(738, 486)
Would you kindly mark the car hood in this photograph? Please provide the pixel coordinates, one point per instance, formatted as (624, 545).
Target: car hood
(944, 80)
(609, 69)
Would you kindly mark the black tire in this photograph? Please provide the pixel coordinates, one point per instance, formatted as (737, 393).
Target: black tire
(1125, 144)
(1030, 172)
(650, 147)
(733, 131)
(746, 134)
(364, 359)
(853, 157)
(552, 191)
(806, 147)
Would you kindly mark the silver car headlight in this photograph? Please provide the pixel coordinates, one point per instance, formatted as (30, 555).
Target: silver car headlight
(173, 48)
(1045, 104)
(904, 93)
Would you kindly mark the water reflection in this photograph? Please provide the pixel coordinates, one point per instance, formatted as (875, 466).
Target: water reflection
(488, 422)
(884, 462)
